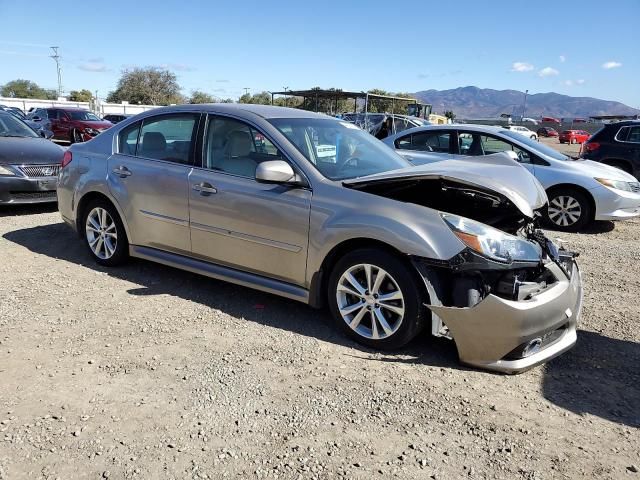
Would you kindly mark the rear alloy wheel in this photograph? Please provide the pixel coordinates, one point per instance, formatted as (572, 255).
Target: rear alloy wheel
(104, 234)
(375, 299)
(75, 136)
(568, 211)
(573, 141)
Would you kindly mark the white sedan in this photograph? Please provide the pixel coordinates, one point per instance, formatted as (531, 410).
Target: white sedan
(524, 131)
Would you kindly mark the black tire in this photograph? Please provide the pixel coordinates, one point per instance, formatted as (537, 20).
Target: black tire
(573, 141)
(415, 315)
(121, 252)
(555, 221)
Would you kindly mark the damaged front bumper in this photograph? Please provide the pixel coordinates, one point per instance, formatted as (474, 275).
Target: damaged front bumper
(512, 336)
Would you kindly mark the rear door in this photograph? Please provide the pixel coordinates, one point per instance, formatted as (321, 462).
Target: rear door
(238, 222)
(149, 178)
(473, 144)
(59, 132)
(426, 146)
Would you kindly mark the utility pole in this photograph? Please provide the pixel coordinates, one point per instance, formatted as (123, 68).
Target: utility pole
(246, 90)
(524, 107)
(56, 58)
(286, 100)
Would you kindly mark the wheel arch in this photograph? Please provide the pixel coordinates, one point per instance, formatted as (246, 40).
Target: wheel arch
(573, 186)
(86, 199)
(320, 278)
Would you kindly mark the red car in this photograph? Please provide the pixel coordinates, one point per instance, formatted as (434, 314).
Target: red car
(574, 136)
(550, 120)
(547, 132)
(71, 124)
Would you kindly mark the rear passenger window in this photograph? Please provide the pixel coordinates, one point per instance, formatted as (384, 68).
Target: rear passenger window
(236, 148)
(168, 137)
(634, 135)
(128, 139)
(435, 141)
(621, 136)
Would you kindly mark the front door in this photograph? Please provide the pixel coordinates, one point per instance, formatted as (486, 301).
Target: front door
(238, 222)
(425, 147)
(149, 178)
(476, 144)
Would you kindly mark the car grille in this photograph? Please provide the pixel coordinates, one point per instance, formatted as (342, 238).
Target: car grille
(635, 186)
(40, 170)
(33, 195)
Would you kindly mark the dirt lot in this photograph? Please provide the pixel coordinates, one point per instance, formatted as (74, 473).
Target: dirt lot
(149, 372)
(566, 148)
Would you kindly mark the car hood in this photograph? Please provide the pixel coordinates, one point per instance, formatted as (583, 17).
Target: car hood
(598, 170)
(496, 173)
(26, 150)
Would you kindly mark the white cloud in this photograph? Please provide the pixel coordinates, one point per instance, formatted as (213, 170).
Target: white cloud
(95, 67)
(521, 67)
(568, 83)
(610, 65)
(548, 72)
(181, 67)
(580, 81)
(563, 59)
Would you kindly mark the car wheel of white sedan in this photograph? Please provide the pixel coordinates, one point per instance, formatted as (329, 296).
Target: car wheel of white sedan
(569, 210)
(376, 299)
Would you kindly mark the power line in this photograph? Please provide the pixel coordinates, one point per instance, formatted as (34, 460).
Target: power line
(57, 58)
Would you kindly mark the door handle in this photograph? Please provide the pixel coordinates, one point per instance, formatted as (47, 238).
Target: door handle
(122, 171)
(205, 188)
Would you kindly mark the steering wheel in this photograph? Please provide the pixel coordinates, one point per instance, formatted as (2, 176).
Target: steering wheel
(346, 163)
(521, 157)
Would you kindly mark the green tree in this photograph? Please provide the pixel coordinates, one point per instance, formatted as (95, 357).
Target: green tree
(227, 100)
(382, 105)
(26, 89)
(450, 115)
(83, 95)
(262, 98)
(149, 86)
(198, 96)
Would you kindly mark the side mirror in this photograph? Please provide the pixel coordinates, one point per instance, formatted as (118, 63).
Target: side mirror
(275, 171)
(46, 134)
(36, 119)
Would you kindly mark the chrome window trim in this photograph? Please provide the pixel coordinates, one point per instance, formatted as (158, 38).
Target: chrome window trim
(629, 127)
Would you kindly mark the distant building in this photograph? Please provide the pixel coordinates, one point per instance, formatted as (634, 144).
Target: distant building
(612, 118)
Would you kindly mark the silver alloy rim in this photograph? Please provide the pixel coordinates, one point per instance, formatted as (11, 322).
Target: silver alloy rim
(564, 210)
(102, 234)
(370, 301)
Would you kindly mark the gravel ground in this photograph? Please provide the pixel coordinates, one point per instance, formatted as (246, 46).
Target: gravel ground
(566, 148)
(149, 372)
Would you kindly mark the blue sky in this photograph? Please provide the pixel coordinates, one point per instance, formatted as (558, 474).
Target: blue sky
(576, 48)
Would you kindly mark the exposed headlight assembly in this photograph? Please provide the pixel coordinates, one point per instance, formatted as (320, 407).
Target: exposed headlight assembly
(4, 171)
(492, 242)
(617, 184)
(91, 131)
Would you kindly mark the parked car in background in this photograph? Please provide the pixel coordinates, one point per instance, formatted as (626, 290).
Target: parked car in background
(547, 132)
(381, 125)
(391, 248)
(41, 128)
(523, 131)
(616, 144)
(115, 117)
(573, 136)
(550, 120)
(70, 124)
(29, 164)
(579, 191)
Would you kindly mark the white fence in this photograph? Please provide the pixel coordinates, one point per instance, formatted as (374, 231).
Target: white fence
(100, 108)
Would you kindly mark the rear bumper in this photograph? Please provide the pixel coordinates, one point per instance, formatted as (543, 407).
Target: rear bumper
(21, 190)
(488, 334)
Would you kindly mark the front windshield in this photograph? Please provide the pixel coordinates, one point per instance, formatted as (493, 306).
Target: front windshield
(339, 150)
(535, 145)
(82, 116)
(10, 126)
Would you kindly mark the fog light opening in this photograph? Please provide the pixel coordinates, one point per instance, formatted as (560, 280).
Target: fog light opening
(532, 347)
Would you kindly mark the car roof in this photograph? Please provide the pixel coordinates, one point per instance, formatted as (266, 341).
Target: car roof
(264, 111)
(623, 123)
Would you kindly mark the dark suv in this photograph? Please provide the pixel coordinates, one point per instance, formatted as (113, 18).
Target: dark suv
(616, 144)
(71, 124)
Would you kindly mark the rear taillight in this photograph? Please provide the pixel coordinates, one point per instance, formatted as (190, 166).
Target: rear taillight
(66, 159)
(591, 147)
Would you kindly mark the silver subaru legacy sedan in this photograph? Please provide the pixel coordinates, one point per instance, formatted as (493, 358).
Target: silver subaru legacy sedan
(316, 210)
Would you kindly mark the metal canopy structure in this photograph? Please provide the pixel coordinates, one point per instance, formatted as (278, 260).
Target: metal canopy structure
(311, 98)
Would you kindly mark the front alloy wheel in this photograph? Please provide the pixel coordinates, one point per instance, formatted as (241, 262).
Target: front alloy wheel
(376, 298)
(370, 301)
(568, 211)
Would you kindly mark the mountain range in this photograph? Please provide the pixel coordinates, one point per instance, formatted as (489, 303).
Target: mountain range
(474, 102)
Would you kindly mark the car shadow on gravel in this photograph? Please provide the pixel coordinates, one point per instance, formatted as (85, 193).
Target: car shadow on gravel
(33, 209)
(60, 242)
(600, 376)
(594, 228)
